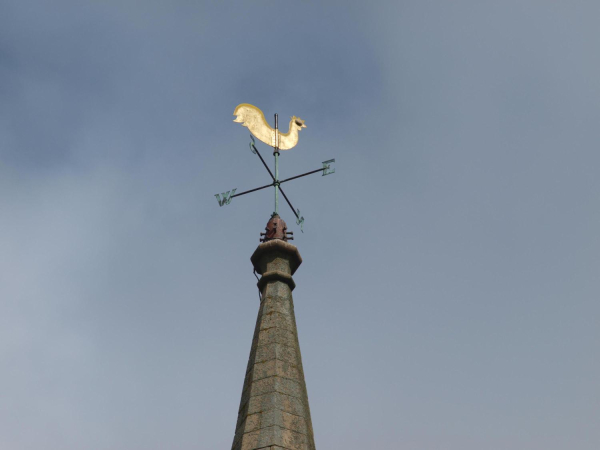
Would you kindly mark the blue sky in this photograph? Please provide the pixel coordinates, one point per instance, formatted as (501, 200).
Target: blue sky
(448, 297)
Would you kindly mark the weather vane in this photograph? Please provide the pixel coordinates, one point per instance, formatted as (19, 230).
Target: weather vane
(253, 118)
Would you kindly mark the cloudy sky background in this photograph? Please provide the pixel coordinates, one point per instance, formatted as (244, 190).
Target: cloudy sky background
(448, 298)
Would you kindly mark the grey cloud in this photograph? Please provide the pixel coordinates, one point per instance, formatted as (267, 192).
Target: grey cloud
(448, 293)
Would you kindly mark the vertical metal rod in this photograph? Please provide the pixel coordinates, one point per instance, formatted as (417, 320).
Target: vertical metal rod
(276, 153)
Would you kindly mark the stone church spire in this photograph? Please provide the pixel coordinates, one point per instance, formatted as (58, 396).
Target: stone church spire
(274, 412)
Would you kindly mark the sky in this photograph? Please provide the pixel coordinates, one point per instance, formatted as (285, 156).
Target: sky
(449, 294)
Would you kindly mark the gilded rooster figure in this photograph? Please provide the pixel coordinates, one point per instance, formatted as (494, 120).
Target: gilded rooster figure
(253, 118)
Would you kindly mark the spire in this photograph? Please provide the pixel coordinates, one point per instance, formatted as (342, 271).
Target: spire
(274, 412)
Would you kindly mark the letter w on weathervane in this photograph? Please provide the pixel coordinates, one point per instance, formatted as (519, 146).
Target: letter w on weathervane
(226, 197)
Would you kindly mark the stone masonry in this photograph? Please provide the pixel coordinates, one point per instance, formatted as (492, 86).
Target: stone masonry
(274, 412)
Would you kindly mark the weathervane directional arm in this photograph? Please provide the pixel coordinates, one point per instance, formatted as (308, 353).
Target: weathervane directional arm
(300, 176)
(288, 202)
(299, 220)
(255, 150)
(227, 197)
(326, 169)
(253, 190)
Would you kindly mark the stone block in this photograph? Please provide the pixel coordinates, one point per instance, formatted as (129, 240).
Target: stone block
(285, 438)
(282, 336)
(253, 422)
(277, 289)
(249, 441)
(284, 420)
(285, 386)
(282, 305)
(277, 351)
(293, 440)
(278, 303)
(277, 320)
(273, 368)
(278, 264)
(277, 400)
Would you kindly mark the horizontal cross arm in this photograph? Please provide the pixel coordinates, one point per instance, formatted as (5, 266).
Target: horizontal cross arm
(326, 169)
(254, 190)
(303, 175)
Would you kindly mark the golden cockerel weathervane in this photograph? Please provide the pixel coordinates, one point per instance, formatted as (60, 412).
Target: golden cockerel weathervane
(254, 119)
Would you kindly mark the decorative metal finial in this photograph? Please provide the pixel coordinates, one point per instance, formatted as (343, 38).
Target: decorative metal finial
(253, 118)
(276, 229)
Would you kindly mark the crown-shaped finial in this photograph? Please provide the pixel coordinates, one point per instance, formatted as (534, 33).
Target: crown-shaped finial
(276, 229)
